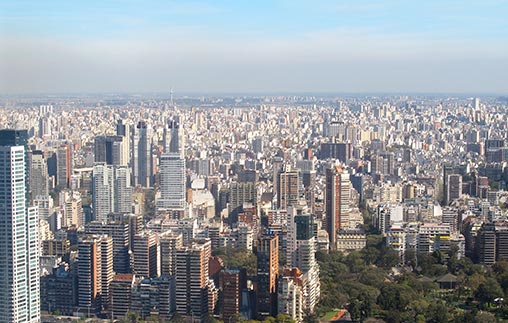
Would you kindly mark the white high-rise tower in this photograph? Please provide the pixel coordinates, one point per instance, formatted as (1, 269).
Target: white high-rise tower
(19, 247)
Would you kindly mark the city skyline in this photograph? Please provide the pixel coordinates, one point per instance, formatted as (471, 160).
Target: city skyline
(274, 47)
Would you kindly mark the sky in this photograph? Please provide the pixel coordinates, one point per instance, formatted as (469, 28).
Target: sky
(254, 46)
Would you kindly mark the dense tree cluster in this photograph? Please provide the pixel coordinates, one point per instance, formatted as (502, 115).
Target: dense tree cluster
(374, 288)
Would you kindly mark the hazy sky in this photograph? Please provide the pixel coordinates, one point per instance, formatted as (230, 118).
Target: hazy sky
(254, 46)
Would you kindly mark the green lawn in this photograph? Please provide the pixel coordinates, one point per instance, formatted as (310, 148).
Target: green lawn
(329, 315)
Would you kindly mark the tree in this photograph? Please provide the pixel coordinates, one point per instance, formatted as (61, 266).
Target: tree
(132, 317)
(488, 291)
(177, 318)
(360, 308)
(437, 313)
(485, 317)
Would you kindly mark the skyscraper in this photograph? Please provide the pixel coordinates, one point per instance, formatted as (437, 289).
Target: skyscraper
(172, 182)
(173, 138)
(268, 269)
(19, 253)
(64, 165)
(38, 174)
(142, 155)
(192, 280)
(146, 253)
(111, 190)
(289, 188)
(337, 196)
(119, 231)
(111, 150)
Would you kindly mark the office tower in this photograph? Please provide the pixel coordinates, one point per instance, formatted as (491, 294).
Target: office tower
(95, 273)
(476, 103)
(111, 150)
(388, 163)
(258, 145)
(119, 231)
(192, 280)
(122, 190)
(232, 286)
(289, 188)
(45, 206)
(453, 187)
(56, 247)
(451, 217)
(290, 295)
(169, 244)
(107, 273)
(245, 236)
(71, 203)
(111, 190)
(146, 253)
(142, 155)
(58, 291)
(102, 191)
(449, 169)
(172, 182)
(301, 250)
(154, 298)
(337, 197)
(38, 175)
(267, 272)
(19, 262)
(239, 194)
(89, 270)
(277, 169)
(173, 140)
(124, 130)
(64, 165)
(341, 151)
(121, 290)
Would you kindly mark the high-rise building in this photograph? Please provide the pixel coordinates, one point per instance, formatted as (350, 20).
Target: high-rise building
(341, 151)
(301, 250)
(122, 190)
(267, 273)
(289, 188)
(102, 191)
(192, 280)
(121, 291)
(38, 174)
(290, 295)
(71, 203)
(119, 231)
(111, 190)
(172, 182)
(169, 244)
(107, 273)
(337, 195)
(239, 194)
(64, 165)
(95, 273)
(146, 253)
(232, 281)
(19, 258)
(142, 155)
(111, 150)
(58, 290)
(89, 270)
(124, 130)
(174, 138)
(453, 187)
(154, 298)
